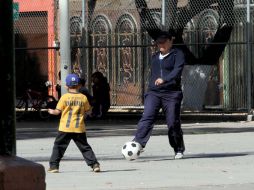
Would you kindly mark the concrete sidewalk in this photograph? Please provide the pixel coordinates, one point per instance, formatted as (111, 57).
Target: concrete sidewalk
(221, 158)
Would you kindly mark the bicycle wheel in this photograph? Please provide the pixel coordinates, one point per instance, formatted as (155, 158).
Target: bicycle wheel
(21, 107)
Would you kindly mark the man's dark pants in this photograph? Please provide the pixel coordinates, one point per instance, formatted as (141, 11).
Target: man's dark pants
(61, 143)
(170, 103)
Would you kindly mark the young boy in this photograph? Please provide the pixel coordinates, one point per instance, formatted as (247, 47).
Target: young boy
(72, 106)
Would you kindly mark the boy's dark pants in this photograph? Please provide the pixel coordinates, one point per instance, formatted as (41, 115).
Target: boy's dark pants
(170, 103)
(61, 143)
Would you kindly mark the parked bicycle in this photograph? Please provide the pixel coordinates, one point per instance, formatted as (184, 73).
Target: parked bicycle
(34, 101)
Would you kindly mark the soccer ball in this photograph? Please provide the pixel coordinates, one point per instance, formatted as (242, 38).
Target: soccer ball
(131, 150)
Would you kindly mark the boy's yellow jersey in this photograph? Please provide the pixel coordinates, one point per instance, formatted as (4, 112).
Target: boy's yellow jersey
(73, 107)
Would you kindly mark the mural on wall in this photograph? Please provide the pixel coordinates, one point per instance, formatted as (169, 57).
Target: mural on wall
(208, 24)
(101, 56)
(213, 51)
(127, 65)
(126, 30)
(100, 38)
(180, 17)
(128, 86)
(202, 30)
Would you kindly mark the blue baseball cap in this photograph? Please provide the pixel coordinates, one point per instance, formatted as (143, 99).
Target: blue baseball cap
(72, 80)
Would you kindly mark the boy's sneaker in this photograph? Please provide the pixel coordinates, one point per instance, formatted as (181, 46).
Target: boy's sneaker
(178, 155)
(96, 168)
(53, 170)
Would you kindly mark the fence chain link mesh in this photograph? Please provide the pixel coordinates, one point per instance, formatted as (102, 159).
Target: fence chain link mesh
(115, 37)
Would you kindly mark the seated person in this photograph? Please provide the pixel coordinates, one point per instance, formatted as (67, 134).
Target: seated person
(101, 95)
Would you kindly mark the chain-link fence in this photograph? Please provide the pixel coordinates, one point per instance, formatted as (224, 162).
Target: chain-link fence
(36, 58)
(115, 37)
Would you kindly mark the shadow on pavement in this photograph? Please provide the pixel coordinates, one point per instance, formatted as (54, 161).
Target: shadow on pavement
(207, 130)
(198, 156)
(50, 131)
(149, 158)
(126, 170)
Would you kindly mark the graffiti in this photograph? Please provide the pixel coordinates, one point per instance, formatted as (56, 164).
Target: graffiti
(127, 66)
(215, 48)
(101, 56)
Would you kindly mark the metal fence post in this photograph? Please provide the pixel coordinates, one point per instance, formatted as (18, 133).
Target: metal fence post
(163, 13)
(83, 14)
(168, 13)
(83, 58)
(65, 51)
(7, 75)
(249, 102)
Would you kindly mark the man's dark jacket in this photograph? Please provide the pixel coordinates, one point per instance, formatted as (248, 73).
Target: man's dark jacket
(169, 69)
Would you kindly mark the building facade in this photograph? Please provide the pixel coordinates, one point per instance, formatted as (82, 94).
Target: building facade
(34, 36)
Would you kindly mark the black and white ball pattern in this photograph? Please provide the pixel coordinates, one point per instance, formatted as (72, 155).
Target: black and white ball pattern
(131, 150)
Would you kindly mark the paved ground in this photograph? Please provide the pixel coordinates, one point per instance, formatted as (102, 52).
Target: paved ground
(218, 155)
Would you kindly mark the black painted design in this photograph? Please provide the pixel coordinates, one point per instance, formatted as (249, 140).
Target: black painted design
(217, 44)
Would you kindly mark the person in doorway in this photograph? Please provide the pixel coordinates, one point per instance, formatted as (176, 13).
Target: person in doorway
(164, 91)
(101, 96)
(73, 107)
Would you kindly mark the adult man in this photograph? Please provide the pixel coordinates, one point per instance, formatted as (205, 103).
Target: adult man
(164, 91)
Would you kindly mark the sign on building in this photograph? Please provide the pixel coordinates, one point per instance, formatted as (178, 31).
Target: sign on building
(15, 11)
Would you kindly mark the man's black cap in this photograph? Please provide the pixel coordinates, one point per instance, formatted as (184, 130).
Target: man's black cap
(163, 36)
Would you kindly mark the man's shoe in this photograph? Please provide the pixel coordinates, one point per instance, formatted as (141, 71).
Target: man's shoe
(142, 149)
(96, 168)
(178, 155)
(53, 170)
